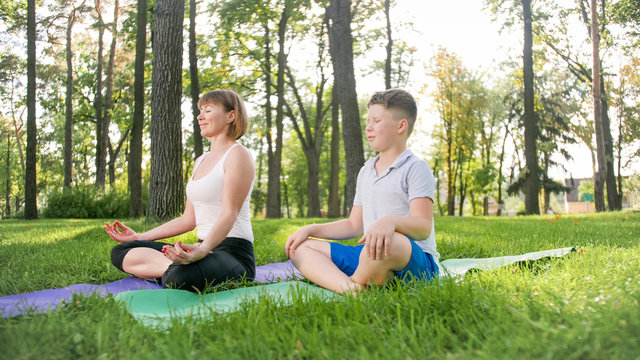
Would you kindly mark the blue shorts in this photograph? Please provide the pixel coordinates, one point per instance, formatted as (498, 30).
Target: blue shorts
(421, 265)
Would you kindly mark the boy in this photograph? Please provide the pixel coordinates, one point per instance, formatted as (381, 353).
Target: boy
(393, 206)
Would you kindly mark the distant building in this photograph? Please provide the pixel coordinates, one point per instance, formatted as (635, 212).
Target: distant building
(573, 204)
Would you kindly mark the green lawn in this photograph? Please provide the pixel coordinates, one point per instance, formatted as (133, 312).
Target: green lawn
(581, 306)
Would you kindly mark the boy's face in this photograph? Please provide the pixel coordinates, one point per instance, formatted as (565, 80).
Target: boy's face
(382, 130)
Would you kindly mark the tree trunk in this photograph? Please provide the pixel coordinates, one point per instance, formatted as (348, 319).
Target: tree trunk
(501, 163)
(334, 179)
(195, 82)
(532, 182)
(30, 186)
(387, 63)
(601, 174)
(274, 197)
(135, 146)
(68, 102)
(101, 146)
(268, 117)
(166, 193)
(338, 16)
(8, 180)
(614, 197)
(106, 119)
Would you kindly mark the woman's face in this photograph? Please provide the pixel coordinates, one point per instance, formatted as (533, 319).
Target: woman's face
(214, 120)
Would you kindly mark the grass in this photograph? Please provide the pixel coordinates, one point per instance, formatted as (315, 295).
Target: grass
(582, 306)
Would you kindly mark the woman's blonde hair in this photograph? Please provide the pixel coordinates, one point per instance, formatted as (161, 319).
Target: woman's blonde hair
(230, 100)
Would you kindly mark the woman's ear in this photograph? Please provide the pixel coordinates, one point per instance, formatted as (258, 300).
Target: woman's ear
(232, 116)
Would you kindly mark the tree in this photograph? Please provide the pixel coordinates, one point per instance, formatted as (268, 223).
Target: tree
(389, 47)
(334, 177)
(166, 193)
(68, 126)
(532, 184)
(338, 18)
(30, 187)
(135, 143)
(601, 174)
(101, 131)
(195, 84)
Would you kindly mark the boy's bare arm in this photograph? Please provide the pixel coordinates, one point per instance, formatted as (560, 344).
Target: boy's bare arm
(417, 226)
(336, 230)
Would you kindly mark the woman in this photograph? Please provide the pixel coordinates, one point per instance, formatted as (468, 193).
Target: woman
(218, 196)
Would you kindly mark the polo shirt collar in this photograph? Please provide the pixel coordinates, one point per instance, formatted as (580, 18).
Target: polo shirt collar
(406, 154)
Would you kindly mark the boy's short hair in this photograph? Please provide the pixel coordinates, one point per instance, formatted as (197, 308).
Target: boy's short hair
(230, 100)
(401, 102)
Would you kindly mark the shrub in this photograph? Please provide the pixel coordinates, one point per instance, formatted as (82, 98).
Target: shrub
(86, 202)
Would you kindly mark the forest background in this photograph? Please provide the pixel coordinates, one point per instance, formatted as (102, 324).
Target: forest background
(98, 112)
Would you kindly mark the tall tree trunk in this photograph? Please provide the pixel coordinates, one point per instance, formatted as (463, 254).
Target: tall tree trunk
(334, 177)
(195, 82)
(135, 146)
(106, 119)
(601, 174)
(614, 197)
(68, 102)
(268, 116)
(501, 163)
(532, 182)
(30, 186)
(274, 197)
(101, 146)
(387, 63)
(338, 17)
(8, 180)
(166, 193)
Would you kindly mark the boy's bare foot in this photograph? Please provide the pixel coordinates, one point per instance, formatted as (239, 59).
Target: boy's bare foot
(352, 288)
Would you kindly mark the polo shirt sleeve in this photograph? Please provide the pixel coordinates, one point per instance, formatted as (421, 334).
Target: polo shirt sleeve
(357, 199)
(420, 181)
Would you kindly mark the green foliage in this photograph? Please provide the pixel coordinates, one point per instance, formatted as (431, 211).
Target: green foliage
(86, 202)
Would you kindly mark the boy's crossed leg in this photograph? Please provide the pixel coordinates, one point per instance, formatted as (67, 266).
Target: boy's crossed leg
(314, 260)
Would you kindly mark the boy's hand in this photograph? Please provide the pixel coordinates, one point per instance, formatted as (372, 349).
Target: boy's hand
(295, 240)
(377, 239)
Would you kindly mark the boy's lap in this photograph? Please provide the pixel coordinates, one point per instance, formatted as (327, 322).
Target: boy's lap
(420, 264)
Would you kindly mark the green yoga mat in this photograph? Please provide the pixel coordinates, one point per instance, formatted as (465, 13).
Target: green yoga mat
(157, 308)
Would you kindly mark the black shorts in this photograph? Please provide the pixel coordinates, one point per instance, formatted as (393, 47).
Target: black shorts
(232, 259)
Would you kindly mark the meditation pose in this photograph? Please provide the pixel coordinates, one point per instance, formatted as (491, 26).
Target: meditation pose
(218, 195)
(392, 210)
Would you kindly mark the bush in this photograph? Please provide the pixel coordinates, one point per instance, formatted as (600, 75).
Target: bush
(86, 203)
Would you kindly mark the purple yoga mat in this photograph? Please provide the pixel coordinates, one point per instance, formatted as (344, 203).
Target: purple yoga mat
(45, 300)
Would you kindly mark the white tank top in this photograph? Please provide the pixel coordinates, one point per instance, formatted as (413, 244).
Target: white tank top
(205, 194)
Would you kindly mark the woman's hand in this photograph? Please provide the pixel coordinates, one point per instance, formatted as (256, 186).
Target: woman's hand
(184, 253)
(119, 232)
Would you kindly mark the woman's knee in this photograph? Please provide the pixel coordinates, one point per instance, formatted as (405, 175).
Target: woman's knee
(117, 255)
(184, 277)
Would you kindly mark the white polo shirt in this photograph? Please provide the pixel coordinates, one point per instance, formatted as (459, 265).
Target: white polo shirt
(409, 177)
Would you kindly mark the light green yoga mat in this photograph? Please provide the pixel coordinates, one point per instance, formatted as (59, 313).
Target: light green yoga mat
(459, 267)
(157, 308)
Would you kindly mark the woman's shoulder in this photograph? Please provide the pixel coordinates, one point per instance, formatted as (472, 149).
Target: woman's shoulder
(240, 154)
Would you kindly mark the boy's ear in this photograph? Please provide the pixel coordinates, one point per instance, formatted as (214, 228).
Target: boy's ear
(403, 125)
